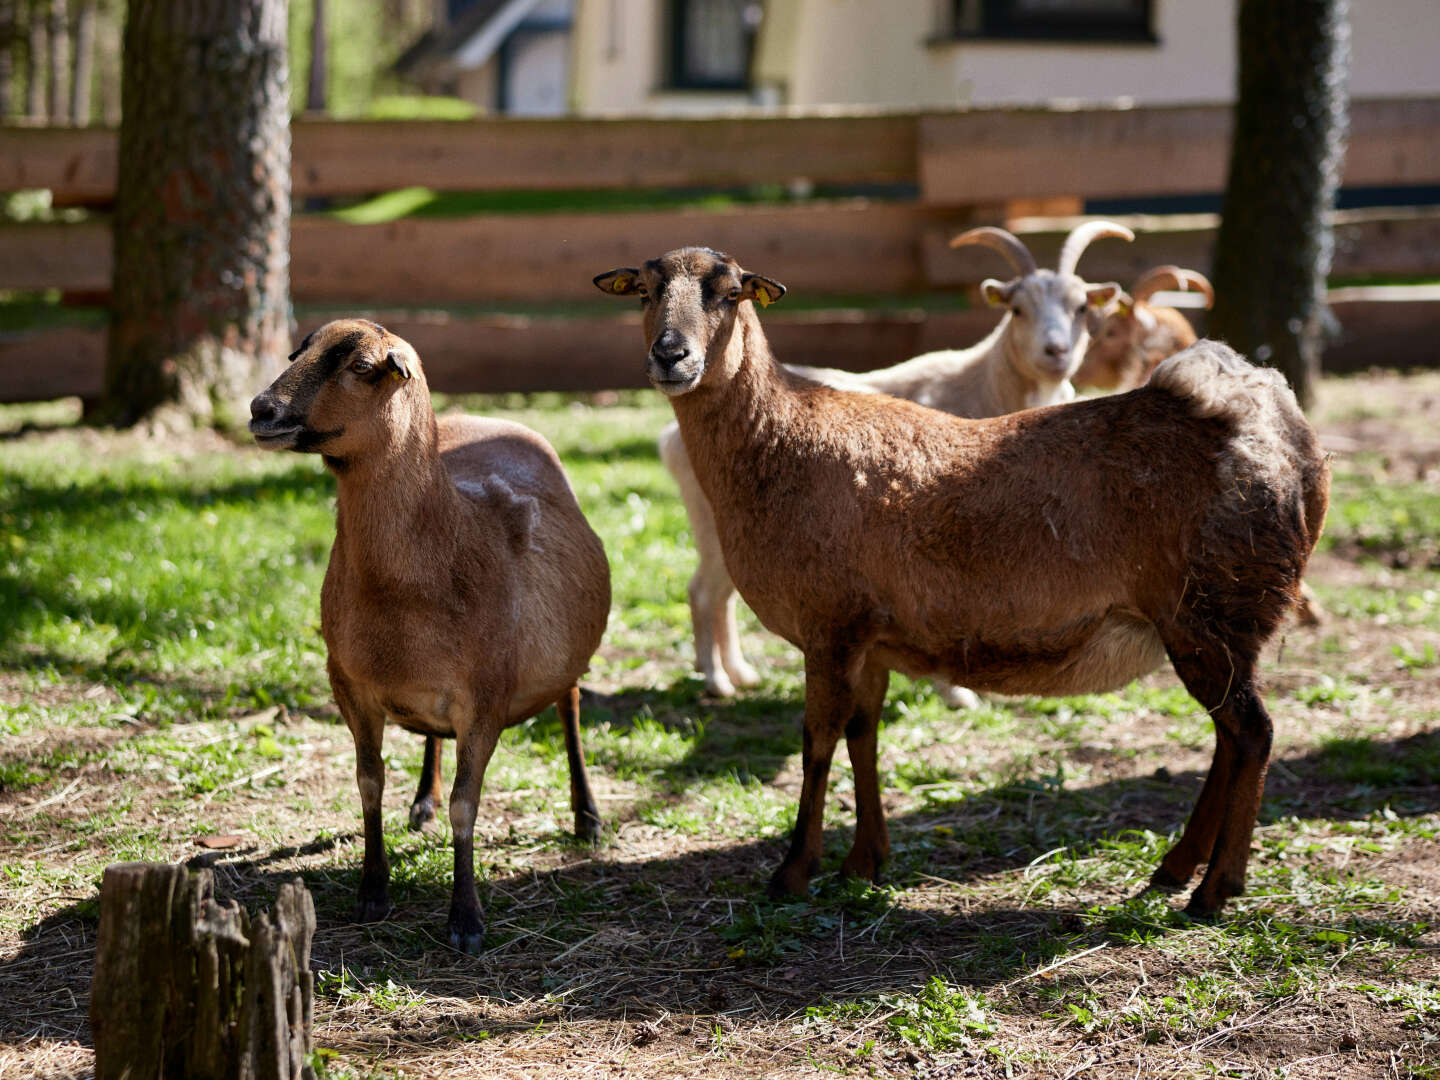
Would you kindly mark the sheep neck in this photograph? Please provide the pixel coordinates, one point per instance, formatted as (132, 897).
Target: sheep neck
(738, 410)
(396, 506)
(1008, 387)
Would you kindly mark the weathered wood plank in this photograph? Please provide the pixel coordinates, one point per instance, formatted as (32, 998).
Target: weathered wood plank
(960, 157)
(853, 248)
(339, 158)
(493, 354)
(991, 154)
(1392, 241)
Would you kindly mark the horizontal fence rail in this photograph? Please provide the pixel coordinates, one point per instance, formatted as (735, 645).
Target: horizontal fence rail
(500, 354)
(960, 157)
(849, 249)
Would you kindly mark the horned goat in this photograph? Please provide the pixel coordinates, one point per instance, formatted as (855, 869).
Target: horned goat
(1135, 335)
(1057, 550)
(466, 592)
(1025, 361)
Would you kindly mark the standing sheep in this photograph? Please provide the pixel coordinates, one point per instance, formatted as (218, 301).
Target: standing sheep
(1058, 550)
(1027, 360)
(465, 591)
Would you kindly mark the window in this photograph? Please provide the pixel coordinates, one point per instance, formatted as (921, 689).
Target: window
(1056, 20)
(711, 42)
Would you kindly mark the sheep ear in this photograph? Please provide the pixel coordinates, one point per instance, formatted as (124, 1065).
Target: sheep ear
(1124, 304)
(1100, 295)
(624, 281)
(763, 290)
(998, 293)
(398, 366)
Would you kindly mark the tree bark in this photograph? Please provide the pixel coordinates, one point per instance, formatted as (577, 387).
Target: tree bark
(188, 988)
(35, 60)
(315, 89)
(200, 317)
(57, 84)
(83, 62)
(9, 46)
(1274, 245)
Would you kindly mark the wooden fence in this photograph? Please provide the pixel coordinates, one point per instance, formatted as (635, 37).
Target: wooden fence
(951, 169)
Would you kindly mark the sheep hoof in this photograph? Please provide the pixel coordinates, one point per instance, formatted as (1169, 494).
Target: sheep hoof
(718, 684)
(743, 674)
(957, 697)
(421, 814)
(788, 883)
(1162, 881)
(372, 908)
(467, 931)
(587, 825)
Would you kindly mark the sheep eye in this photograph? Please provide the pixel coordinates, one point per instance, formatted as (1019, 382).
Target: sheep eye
(1016, 310)
(360, 367)
(1081, 309)
(733, 294)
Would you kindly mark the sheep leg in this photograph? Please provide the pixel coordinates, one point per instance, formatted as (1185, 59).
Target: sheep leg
(367, 727)
(829, 703)
(427, 797)
(1229, 801)
(727, 634)
(582, 802)
(472, 755)
(872, 838)
(1251, 735)
(711, 592)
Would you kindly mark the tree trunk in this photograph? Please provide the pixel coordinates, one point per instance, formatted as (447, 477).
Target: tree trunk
(9, 45)
(1274, 245)
(57, 85)
(83, 68)
(200, 317)
(315, 90)
(35, 61)
(188, 988)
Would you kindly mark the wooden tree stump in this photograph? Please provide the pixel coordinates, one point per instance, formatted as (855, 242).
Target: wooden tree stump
(190, 988)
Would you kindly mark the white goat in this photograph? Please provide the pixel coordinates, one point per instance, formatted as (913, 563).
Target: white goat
(1027, 360)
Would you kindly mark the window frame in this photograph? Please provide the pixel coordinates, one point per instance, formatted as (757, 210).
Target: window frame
(998, 20)
(677, 77)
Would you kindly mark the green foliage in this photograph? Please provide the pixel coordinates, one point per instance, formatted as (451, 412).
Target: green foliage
(941, 1017)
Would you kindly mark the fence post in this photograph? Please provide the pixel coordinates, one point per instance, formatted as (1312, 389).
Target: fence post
(189, 987)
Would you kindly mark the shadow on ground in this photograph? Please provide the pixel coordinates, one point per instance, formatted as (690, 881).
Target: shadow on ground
(611, 935)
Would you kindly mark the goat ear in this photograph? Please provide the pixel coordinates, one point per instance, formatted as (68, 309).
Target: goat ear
(624, 281)
(763, 290)
(998, 293)
(398, 365)
(1100, 295)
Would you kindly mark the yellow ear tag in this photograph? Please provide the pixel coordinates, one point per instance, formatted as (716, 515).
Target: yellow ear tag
(620, 284)
(397, 376)
(762, 296)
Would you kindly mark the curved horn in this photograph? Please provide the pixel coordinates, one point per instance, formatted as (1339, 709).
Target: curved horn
(1007, 244)
(1173, 277)
(1080, 238)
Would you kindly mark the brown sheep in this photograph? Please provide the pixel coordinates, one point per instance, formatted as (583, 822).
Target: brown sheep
(466, 592)
(1134, 335)
(1051, 551)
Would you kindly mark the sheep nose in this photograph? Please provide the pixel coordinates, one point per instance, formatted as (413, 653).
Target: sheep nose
(263, 409)
(1056, 350)
(669, 348)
